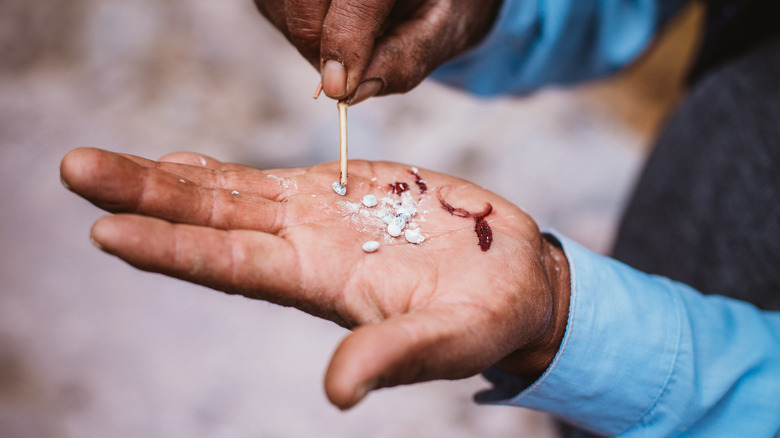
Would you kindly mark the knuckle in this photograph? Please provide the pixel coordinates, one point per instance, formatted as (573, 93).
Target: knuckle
(406, 67)
(363, 19)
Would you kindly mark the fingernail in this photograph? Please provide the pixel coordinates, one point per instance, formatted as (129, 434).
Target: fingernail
(65, 183)
(96, 243)
(366, 89)
(334, 79)
(363, 390)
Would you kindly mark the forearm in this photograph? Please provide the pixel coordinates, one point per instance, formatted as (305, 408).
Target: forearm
(535, 43)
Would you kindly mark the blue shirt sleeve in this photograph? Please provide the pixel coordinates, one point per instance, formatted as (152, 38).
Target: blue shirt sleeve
(646, 356)
(546, 42)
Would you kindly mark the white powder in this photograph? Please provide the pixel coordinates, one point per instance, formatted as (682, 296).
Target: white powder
(284, 183)
(348, 207)
(391, 216)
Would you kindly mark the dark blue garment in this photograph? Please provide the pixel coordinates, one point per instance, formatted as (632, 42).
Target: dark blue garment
(706, 210)
(734, 27)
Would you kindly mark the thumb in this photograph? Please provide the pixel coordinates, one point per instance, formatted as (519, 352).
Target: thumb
(348, 33)
(402, 350)
(361, 361)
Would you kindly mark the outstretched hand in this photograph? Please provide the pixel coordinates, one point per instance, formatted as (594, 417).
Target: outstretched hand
(483, 288)
(379, 47)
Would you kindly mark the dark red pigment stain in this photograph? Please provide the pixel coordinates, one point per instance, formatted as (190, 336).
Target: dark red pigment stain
(420, 182)
(484, 233)
(481, 227)
(397, 188)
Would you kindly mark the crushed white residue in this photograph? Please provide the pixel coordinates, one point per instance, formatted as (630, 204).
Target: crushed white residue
(370, 201)
(284, 182)
(390, 216)
(348, 207)
(394, 229)
(414, 236)
(399, 221)
(371, 246)
(404, 212)
(339, 189)
(235, 192)
(386, 217)
(407, 200)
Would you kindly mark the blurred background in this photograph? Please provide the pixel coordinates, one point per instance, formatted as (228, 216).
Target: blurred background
(90, 347)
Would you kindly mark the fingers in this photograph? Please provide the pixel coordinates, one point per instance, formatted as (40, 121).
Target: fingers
(166, 190)
(336, 36)
(404, 349)
(232, 173)
(348, 34)
(193, 159)
(254, 264)
(374, 47)
(274, 11)
(210, 173)
(413, 49)
(304, 19)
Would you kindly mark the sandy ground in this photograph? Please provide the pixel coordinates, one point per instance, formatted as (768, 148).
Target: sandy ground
(90, 347)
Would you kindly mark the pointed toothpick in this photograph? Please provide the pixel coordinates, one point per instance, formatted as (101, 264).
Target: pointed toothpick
(318, 91)
(342, 105)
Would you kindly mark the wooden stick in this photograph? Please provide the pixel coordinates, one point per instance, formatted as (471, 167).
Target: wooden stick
(342, 105)
(319, 91)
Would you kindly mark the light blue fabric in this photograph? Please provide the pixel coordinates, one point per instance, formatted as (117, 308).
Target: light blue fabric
(535, 43)
(644, 356)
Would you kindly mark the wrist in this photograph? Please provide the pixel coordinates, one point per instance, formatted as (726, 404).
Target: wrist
(532, 360)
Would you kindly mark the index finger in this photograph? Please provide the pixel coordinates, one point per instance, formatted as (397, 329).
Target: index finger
(304, 21)
(119, 183)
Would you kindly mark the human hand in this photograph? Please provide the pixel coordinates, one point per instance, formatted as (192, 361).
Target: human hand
(483, 288)
(379, 47)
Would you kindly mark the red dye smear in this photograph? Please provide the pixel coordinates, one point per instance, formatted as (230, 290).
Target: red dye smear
(420, 182)
(481, 227)
(399, 187)
(484, 233)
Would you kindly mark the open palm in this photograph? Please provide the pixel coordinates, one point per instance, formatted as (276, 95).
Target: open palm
(482, 286)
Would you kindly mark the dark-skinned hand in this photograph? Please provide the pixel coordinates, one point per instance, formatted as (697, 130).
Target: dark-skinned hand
(447, 308)
(365, 48)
